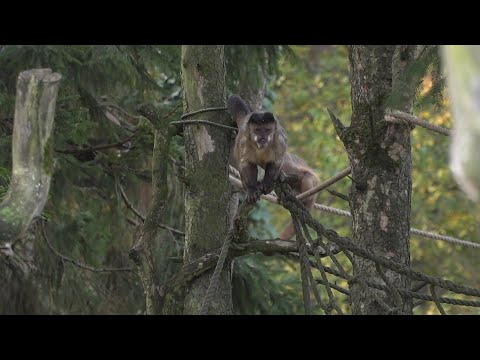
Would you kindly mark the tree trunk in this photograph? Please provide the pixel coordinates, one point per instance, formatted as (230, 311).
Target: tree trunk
(32, 165)
(32, 160)
(207, 190)
(380, 157)
(142, 252)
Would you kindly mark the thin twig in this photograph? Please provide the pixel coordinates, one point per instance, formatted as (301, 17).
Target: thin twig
(94, 148)
(138, 214)
(129, 204)
(325, 184)
(339, 195)
(78, 264)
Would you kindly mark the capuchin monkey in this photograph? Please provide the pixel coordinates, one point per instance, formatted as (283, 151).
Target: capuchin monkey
(261, 141)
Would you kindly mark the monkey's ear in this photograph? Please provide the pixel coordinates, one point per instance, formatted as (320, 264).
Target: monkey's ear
(237, 107)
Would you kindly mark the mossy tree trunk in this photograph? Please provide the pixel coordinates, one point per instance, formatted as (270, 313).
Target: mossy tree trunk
(32, 166)
(32, 160)
(381, 161)
(207, 189)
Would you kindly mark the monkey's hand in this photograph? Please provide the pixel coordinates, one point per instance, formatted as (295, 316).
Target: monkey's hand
(266, 187)
(253, 194)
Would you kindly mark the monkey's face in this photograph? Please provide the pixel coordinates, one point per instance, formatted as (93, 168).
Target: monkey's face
(262, 128)
(262, 134)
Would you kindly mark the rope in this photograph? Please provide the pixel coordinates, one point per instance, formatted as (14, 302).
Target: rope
(426, 234)
(184, 116)
(297, 208)
(445, 238)
(400, 117)
(206, 122)
(340, 212)
(435, 299)
(405, 293)
(203, 122)
(331, 298)
(302, 251)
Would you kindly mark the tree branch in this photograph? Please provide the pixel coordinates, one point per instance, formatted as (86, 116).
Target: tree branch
(197, 267)
(78, 264)
(339, 195)
(401, 117)
(79, 150)
(139, 215)
(337, 124)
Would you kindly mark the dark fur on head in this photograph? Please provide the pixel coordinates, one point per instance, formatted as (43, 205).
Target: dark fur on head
(261, 118)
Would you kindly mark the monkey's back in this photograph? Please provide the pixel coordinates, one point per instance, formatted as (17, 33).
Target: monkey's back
(294, 165)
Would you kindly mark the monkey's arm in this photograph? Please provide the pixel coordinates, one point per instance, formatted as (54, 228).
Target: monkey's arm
(248, 174)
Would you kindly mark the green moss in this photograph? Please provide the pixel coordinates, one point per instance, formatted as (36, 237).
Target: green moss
(8, 214)
(48, 160)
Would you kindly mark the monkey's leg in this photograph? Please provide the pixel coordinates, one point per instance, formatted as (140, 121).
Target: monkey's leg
(271, 173)
(248, 174)
(309, 181)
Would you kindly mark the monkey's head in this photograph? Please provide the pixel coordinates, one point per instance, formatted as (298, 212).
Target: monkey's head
(261, 127)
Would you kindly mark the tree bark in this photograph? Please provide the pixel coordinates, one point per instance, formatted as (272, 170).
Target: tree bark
(207, 189)
(32, 166)
(142, 252)
(380, 157)
(32, 152)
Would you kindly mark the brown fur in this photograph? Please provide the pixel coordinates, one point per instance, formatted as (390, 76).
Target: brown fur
(273, 158)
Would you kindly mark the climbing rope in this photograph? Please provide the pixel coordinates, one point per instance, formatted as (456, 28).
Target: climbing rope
(297, 209)
(184, 116)
(200, 121)
(426, 234)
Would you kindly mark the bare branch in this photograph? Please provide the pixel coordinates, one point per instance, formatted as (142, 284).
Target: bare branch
(139, 215)
(339, 195)
(401, 117)
(78, 150)
(337, 124)
(325, 184)
(197, 267)
(129, 204)
(78, 264)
